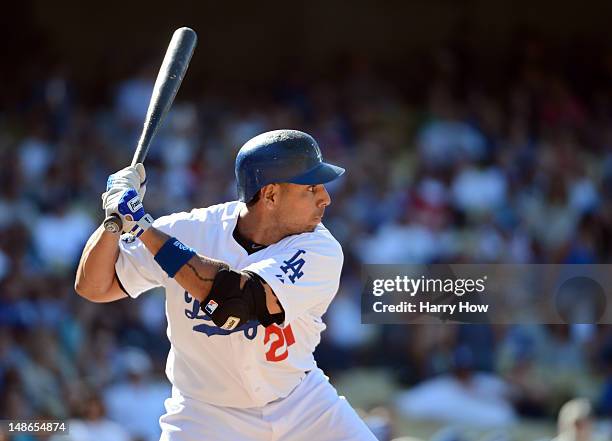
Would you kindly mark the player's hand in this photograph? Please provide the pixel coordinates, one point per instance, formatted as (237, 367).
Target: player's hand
(128, 206)
(133, 176)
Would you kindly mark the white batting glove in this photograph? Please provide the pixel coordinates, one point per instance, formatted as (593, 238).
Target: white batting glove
(128, 206)
(133, 176)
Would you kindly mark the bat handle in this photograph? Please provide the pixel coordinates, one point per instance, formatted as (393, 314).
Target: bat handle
(113, 224)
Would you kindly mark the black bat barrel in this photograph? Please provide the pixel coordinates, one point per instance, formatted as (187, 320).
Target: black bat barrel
(167, 84)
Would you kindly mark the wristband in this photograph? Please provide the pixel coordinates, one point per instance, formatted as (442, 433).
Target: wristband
(173, 255)
(142, 225)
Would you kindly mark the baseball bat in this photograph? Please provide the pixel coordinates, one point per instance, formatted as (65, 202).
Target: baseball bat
(167, 84)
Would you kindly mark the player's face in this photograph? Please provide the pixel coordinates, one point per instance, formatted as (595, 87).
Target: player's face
(300, 208)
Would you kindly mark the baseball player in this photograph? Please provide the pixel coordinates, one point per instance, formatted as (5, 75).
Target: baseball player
(246, 285)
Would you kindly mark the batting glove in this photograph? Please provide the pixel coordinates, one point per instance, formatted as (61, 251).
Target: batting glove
(128, 206)
(133, 176)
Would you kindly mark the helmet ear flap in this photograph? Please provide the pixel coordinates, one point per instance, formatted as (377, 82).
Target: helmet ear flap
(254, 199)
(252, 186)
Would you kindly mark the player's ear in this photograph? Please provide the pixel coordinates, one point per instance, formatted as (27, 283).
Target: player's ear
(270, 195)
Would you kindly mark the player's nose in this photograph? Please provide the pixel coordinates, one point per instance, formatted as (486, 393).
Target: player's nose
(324, 198)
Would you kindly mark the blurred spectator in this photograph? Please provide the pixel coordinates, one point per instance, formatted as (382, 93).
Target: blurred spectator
(44, 371)
(446, 139)
(60, 234)
(575, 421)
(479, 189)
(138, 402)
(133, 95)
(464, 397)
(93, 426)
(35, 156)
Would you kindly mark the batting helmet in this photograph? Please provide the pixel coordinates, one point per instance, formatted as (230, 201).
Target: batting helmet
(281, 156)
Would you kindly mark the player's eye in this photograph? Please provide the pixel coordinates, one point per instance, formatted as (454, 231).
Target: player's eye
(311, 188)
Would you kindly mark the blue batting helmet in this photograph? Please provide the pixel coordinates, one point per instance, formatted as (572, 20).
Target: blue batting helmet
(281, 156)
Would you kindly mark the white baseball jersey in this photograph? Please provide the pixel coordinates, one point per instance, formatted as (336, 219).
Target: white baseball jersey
(249, 366)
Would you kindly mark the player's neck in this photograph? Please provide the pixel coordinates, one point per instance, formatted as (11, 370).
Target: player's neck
(257, 228)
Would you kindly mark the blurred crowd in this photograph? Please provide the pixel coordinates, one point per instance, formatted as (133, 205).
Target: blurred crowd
(461, 161)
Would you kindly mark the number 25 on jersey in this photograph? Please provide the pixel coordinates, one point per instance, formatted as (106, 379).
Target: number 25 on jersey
(281, 340)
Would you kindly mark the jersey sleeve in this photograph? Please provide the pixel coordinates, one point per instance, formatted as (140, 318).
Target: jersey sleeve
(304, 275)
(136, 268)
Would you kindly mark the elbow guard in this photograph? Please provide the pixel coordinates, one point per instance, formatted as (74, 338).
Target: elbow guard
(230, 306)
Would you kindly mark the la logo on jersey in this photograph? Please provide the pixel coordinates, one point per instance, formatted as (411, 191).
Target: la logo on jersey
(292, 267)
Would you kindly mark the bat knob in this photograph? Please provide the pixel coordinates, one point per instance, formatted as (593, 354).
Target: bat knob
(113, 224)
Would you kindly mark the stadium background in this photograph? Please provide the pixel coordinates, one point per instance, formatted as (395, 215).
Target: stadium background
(472, 131)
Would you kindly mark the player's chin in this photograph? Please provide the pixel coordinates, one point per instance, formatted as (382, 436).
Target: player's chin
(313, 225)
(307, 228)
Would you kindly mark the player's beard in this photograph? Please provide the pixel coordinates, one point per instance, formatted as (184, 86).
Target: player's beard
(290, 230)
(297, 227)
